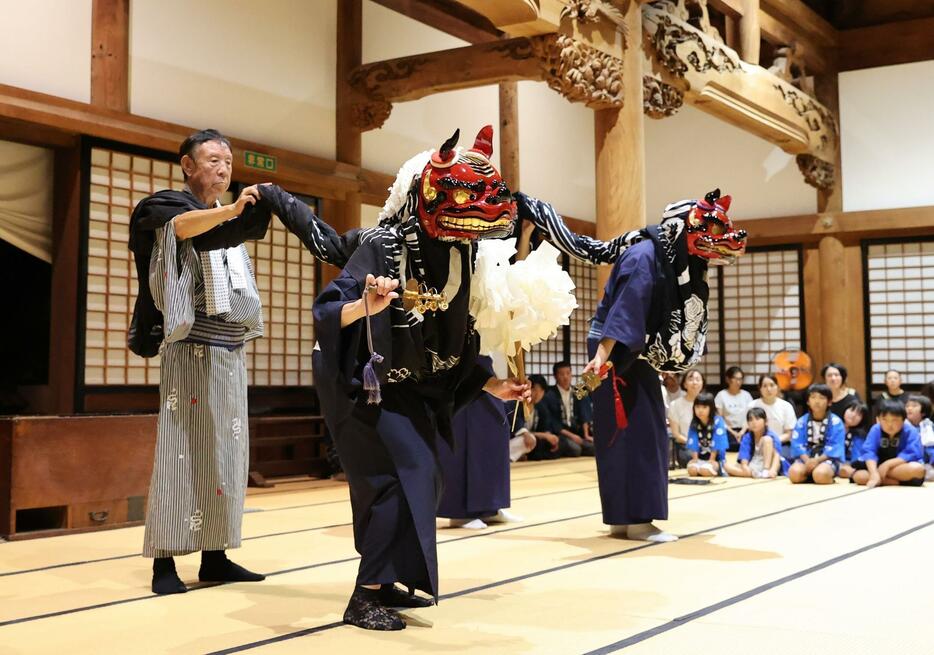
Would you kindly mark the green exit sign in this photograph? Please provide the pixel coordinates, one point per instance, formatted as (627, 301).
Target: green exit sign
(260, 161)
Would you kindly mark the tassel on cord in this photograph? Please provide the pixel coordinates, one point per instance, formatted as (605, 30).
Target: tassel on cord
(370, 378)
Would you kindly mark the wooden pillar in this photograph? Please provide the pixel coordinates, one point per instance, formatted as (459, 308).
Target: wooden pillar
(509, 133)
(841, 270)
(749, 35)
(349, 137)
(841, 307)
(827, 90)
(619, 144)
(110, 54)
(66, 236)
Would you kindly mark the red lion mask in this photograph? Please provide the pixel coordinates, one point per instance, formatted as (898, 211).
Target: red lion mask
(710, 232)
(461, 196)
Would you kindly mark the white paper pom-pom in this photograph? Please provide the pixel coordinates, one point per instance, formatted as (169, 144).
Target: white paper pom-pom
(523, 303)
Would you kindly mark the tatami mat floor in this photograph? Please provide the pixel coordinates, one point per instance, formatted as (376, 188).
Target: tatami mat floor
(762, 567)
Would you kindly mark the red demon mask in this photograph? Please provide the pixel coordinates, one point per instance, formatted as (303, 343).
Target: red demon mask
(461, 196)
(710, 232)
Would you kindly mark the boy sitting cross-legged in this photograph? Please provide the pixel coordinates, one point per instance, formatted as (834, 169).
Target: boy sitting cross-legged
(892, 450)
(817, 440)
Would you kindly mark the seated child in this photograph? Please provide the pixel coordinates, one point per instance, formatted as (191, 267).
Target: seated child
(760, 449)
(918, 409)
(854, 421)
(707, 440)
(817, 441)
(892, 451)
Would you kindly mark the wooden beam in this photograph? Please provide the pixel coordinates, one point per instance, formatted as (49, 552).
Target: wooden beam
(729, 8)
(296, 171)
(349, 136)
(805, 19)
(417, 76)
(817, 58)
(450, 17)
(749, 35)
(826, 87)
(509, 134)
(885, 45)
(850, 226)
(35, 135)
(619, 145)
(66, 271)
(110, 54)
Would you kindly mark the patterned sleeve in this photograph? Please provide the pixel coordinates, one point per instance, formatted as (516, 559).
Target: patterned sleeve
(579, 246)
(171, 283)
(799, 437)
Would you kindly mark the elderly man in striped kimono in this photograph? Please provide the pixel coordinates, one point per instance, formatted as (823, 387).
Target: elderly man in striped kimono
(197, 307)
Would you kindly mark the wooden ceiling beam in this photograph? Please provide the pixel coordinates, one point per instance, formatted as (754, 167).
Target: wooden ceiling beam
(417, 76)
(296, 171)
(802, 18)
(848, 226)
(817, 58)
(450, 17)
(885, 45)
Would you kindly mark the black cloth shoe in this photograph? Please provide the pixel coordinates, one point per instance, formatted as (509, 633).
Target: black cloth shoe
(365, 611)
(391, 596)
(165, 579)
(215, 567)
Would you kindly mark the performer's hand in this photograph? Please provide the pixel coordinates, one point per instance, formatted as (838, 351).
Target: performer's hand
(248, 196)
(509, 389)
(594, 364)
(382, 292)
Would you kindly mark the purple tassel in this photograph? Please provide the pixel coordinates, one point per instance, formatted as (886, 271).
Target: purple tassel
(371, 380)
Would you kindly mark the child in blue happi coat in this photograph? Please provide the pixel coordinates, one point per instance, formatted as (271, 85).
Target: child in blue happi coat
(918, 409)
(760, 450)
(892, 451)
(707, 438)
(817, 441)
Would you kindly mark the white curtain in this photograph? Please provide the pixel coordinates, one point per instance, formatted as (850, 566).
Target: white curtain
(26, 189)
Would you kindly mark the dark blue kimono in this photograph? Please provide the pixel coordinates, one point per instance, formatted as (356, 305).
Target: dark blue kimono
(476, 469)
(389, 450)
(632, 463)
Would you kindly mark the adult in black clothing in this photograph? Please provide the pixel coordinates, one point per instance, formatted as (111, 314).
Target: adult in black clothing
(893, 390)
(575, 413)
(545, 423)
(834, 376)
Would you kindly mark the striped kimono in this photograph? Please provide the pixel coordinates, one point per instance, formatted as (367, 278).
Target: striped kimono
(210, 307)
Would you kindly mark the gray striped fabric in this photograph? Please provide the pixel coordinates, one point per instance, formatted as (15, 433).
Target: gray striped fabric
(202, 449)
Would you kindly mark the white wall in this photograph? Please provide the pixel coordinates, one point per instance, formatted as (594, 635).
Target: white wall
(888, 136)
(46, 46)
(691, 153)
(260, 71)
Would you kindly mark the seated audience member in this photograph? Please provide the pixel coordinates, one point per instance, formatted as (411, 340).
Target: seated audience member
(732, 403)
(544, 425)
(759, 449)
(918, 410)
(892, 451)
(681, 412)
(779, 413)
(817, 442)
(671, 388)
(893, 390)
(854, 422)
(841, 396)
(575, 414)
(707, 438)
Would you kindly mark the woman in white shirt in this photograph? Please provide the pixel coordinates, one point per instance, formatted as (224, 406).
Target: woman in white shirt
(733, 403)
(681, 411)
(780, 414)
